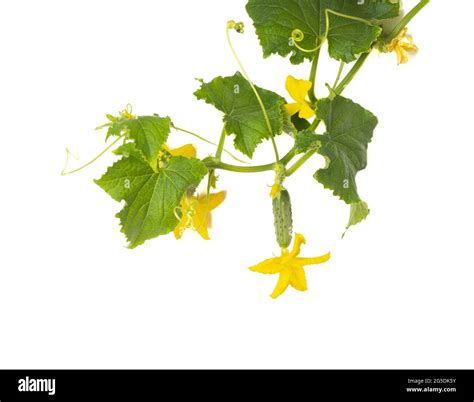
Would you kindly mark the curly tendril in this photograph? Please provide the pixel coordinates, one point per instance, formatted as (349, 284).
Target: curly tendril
(64, 172)
(297, 36)
(178, 213)
(127, 113)
(189, 213)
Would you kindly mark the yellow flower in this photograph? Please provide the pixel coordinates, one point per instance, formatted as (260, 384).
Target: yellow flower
(196, 213)
(188, 151)
(127, 113)
(195, 210)
(290, 267)
(298, 90)
(402, 45)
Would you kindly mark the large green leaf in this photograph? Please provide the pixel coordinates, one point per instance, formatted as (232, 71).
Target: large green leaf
(243, 114)
(349, 130)
(151, 198)
(275, 20)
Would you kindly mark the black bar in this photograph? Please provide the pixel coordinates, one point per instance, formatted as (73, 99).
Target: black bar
(232, 385)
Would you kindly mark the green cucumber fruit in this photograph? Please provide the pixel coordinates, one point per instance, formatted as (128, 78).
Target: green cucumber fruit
(283, 219)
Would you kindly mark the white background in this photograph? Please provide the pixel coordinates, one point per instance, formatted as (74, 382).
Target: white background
(398, 290)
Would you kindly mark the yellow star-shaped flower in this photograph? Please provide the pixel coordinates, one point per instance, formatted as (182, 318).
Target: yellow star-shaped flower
(298, 90)
(402, 45)
(196, 213)
(290, 267)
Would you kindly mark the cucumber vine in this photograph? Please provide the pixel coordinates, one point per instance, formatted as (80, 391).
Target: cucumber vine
(159, 186)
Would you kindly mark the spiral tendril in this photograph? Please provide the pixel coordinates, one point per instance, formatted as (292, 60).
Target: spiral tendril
(297, 36)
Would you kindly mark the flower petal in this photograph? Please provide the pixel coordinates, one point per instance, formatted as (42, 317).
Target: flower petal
(269, 267)
(188, 151)
(292, 108)
(304, 86)
(315, 260)
(283, 282)
(410, 47)
(179, 230)
(306, 112)
(401, 55)
(182, 225)
(202, 220)
(276, 190)
(299, 240)
(298, 279)
(291, 86)
(214, 200)
(298, 89)
(203, 230)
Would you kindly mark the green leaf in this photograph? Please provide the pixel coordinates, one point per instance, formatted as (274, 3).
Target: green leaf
(130, 149)
(349, 131)
(243, 115)
(115, 127)
(349, 37)
(125, 177)
(149, 133)
(151, 198)
(359, 212)
(306, 140)
(275, 20)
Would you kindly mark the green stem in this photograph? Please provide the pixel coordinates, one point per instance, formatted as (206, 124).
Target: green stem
(240, 169)
(275, 149)
(208, 142)
(314, 125)
(220, 146)
(406, 19)
(351, 74)
(300, 162)
(64, 173)
(339, 73)
(215, 164)
(312, 76)
(218, 157)
(288, 157)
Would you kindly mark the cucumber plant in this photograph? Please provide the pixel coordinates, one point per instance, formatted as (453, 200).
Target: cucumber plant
(159, 186)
